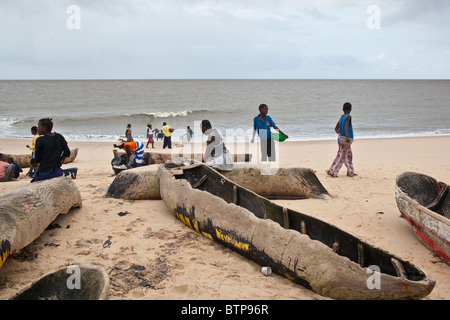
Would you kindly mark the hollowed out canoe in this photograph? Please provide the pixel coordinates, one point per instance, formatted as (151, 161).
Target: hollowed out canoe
(25, 213)
(304, 249)
(425, 203)
(23, 160)
(84, 282)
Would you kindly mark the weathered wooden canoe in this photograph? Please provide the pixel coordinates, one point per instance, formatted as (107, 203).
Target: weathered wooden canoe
(286, 183)
(27, 212)
(307, 250)
(23, 160)
(425, 203)
(158, 158)
(84, 282)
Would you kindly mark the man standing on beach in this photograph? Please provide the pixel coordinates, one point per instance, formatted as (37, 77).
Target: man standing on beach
(167, 130)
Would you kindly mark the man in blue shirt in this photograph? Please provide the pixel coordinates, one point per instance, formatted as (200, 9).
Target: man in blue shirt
(262, 124)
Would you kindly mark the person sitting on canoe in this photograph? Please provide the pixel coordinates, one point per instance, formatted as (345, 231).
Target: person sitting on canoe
(51, 151)
(6, 169)
(216, 154)
(134, 150)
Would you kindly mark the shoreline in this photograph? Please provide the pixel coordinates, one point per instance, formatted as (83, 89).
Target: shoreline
(188, 266)
(412, 136)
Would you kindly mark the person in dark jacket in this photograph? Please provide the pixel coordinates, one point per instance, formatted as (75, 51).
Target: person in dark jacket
(51, 151)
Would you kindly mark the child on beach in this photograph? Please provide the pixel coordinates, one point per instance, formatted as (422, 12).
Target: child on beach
(262, 124)
(344, 129)
(6, 169)
(30, 172)
(216, 154)
(128, 133)
(150, 135)
(51, 151)
(17, 168)
(189, 133)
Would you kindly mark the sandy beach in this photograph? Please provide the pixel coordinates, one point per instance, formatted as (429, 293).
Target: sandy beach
(174, 262)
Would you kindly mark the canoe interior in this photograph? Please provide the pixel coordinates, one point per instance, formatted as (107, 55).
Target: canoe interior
(349, 246)
(427, 191)
(54, 286)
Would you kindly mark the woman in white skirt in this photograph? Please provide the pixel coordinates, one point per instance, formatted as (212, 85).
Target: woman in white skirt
(216, 154)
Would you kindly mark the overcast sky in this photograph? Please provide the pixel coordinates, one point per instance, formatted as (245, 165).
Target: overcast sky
(224, 39)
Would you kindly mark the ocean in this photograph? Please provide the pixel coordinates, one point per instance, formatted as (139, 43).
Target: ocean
(99, 110)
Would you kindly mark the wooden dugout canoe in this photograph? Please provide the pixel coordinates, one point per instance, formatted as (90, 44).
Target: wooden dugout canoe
(286, 183)
(85, 282)
(304, 249)
(23, 160)
(425, 203)
(158, 158)
(27, 212)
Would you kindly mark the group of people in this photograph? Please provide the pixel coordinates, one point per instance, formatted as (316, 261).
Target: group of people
(165, 134)
(49, 149)
(217, 155)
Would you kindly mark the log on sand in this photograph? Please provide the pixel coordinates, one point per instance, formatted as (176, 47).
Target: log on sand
(93, 285)
(23, 160)
(25, 213)
(156, 157)
(136, 184)
(286, 183)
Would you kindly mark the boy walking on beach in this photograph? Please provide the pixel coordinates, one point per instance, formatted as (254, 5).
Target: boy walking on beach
(262, 124)
(344, 129)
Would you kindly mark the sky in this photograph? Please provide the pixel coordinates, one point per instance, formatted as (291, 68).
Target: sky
(224, 39)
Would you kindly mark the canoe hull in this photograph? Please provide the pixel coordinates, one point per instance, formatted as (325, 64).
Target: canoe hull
(287, 183)
(27, 212)
(68, 283)
(23, 160)
(289, 253)
(430, 227)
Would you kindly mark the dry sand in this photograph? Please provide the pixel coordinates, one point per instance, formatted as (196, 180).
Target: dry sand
(154, 256)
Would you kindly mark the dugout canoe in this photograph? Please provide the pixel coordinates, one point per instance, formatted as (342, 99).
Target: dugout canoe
(25, 213)
(285, 183)
(150, 158)
(74, 282)
(310, 252)
(23, 160)
(425, 203)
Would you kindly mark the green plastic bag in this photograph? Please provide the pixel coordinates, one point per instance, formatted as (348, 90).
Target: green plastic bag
(278, 137)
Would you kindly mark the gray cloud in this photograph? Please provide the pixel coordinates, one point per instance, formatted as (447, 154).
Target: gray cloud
(223, 39)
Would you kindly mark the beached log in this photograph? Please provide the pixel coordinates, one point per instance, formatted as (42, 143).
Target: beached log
(25, 213)
(157, 158)
(136, 184)
(74, 282)
(287, 183)
(23, 160)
